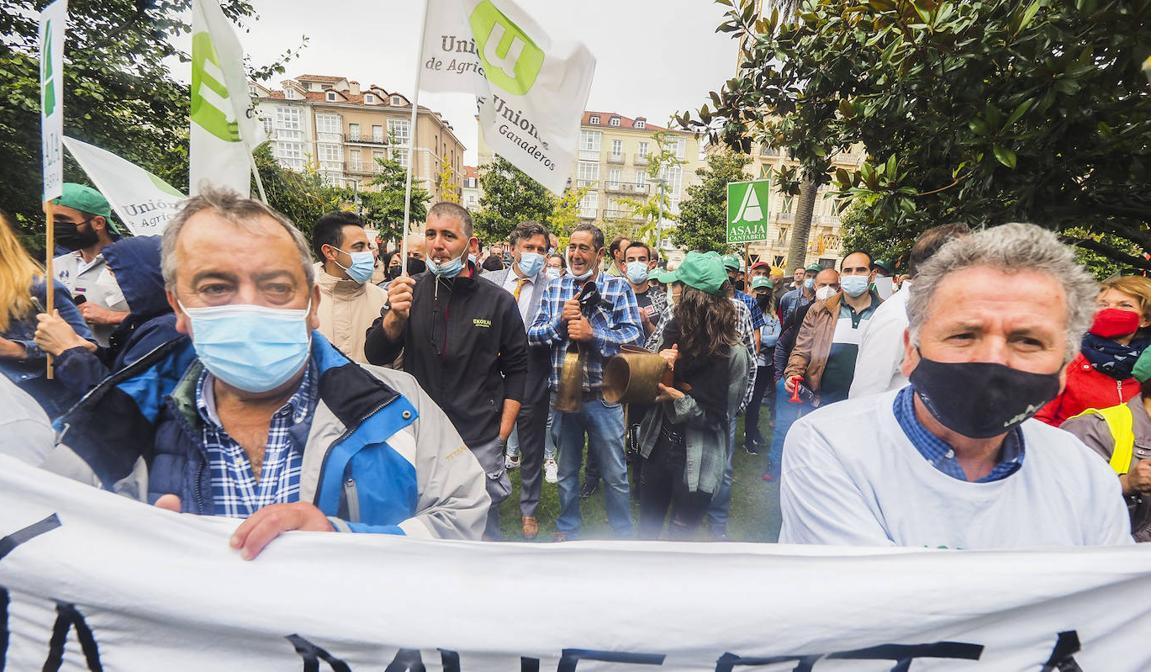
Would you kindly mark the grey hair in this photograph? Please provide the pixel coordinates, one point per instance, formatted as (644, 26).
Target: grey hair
(240, 211)
(1010, 248)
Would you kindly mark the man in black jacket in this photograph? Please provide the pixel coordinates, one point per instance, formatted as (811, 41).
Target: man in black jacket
(465, 344)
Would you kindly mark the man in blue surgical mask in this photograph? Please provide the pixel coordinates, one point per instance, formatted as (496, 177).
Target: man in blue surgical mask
(349, 302)
(464, 341)
(259, 417)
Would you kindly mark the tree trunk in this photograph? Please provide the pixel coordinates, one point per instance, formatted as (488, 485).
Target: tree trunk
(801, 228)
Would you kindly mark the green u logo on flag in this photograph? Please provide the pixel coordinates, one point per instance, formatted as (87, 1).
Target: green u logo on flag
(511, 59)
(47, 83)
(210, 104)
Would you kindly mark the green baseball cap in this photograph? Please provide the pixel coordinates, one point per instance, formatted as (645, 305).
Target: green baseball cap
(761, 282)
(702, 271)
(1142, 369)
(813, 268)
(85, 199)
(885, 265)
(731, 262)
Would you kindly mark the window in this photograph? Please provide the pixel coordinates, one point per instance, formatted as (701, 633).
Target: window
(593, 120)
(675, 146)
(330, 153)
(354, 160)
(369, 99)
(328, 123)
(398, 101)
(640, 123)
(613, 177)
(288, 118)
(590, 140)
(377, 156)
(290, 94)
(401, 156)
(589, 204)
(267, 122)
(354, 132)
(399, 131)
(787, 204)
(332, 96)
(643, 148)
(640, 179)
(617, 148)
(289, 150)
(614, 121)
(587, 173)
(377, 133)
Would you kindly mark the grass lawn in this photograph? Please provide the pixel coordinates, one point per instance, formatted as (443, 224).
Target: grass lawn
(754, 504)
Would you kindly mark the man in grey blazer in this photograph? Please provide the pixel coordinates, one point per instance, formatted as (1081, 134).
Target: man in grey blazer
(525, 280)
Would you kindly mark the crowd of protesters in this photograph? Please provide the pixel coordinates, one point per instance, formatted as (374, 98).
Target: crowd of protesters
(991, 395)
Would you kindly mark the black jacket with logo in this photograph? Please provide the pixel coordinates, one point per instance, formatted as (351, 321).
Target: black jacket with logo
(466, 345)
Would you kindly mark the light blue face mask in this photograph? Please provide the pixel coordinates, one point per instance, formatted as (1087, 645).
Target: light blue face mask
(809, 282)
(553, 273)
(363, 265)
(582, 276)
(447, 269)
(854, 285)
(531, 263)
(251, 348)
(637, 272)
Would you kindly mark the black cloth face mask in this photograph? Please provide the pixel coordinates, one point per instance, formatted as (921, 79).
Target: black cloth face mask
(73, 237)
(980, 399)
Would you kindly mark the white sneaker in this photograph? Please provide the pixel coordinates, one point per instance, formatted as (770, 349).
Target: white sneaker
(551, 471)
(512, 461)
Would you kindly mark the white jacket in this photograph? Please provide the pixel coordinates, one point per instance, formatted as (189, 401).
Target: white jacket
(881, 348)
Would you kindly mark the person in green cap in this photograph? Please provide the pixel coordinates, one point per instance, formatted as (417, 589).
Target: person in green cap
(684, 440)
(83, 226)
(884, 282)
(761, 287)
(731, 264)
(800, 296)
(1122, 435)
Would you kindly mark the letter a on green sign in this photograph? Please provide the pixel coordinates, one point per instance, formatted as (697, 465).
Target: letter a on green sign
(512, 61)
(204, 113)
(747, 211)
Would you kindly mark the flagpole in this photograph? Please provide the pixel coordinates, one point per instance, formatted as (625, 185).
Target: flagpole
(256, 172)
(49, 278)
(412, 144)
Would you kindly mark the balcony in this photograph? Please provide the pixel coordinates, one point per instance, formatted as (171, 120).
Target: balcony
(587, 213)
(361, 168)
(615, 158)
(626, 188)
(591, 184)
(329, 137)
(621, 216)
(767, 151)
(589, 155)
(639, 159)
(785, 216)
(367, 140)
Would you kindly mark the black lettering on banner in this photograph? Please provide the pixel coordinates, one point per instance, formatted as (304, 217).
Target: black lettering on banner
(407, 660)
(903, 654)
(526, 664)
(1062, 656)
(313, 654)
(571, 658)
(4, 600)
(23, 535)
(728, 661)
(450, 660)
(68, 616)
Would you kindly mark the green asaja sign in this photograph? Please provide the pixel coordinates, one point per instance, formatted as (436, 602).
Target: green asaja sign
(747, 211)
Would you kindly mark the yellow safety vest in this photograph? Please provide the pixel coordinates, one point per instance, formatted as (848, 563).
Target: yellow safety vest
(1120, 421)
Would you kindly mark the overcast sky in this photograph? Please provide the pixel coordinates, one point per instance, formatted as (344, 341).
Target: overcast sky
(653, 57)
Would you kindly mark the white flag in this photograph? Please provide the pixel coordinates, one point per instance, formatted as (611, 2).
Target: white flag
(53, 21)
(531, 91)
(142, 201)
(223, 131)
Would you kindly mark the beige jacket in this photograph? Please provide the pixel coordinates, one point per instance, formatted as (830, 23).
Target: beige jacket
(346, 311)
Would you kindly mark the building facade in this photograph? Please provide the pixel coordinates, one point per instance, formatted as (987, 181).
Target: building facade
(471, 188)
(334, 126)
(613, 160)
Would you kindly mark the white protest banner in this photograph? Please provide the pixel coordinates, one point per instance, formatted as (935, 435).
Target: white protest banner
(223, 132)
(142, 201)
(531, 90)
(92, 577)
(53, 21)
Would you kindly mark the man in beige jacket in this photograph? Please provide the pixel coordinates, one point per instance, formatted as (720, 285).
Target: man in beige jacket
(349, 301)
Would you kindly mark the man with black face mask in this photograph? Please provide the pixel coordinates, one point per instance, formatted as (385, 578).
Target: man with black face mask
(954, 460)
(83, 226)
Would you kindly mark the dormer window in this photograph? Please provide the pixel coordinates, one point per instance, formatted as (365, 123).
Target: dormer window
(614, 121)
(290, 94)
(369, 99)
(594, 120)
(640, 123)
(332, 96)
(397, 101)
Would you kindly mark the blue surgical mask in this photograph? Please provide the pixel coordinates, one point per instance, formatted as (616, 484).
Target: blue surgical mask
(531, 263)
(854, 285)
(363, 265)
(637, 272)
(809, 282)
(251, 348)
(553, 274)
(447, 269)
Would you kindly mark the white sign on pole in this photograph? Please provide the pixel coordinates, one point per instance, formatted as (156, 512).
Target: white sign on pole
(531, 90)
(142, 201)
(223, 132)
(53, 21)
(92, 578)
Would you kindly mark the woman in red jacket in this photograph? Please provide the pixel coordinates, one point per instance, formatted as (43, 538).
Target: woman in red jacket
(1100, 375)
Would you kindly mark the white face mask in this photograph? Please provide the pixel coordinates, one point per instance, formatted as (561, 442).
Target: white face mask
(824, 293)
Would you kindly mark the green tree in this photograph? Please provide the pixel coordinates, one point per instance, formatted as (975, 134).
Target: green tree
(509, 197)
(983, 111)
(565, 215)
(302, 197)
(703, 214)
(656, 208)
(384, 208)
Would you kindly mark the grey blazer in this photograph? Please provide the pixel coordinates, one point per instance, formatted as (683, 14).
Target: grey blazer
(538, 286)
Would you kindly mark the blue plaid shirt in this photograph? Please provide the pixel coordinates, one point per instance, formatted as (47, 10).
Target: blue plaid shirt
(940, 455)
(235, 491)
(757, 320)
(615, 322)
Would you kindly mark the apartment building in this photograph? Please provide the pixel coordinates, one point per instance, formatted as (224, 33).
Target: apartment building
(470, 186)
(614, 155)
(335, 126)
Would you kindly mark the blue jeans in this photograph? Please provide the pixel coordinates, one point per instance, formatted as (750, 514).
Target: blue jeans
(721, 501)
(603, 425)
(786, 413)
